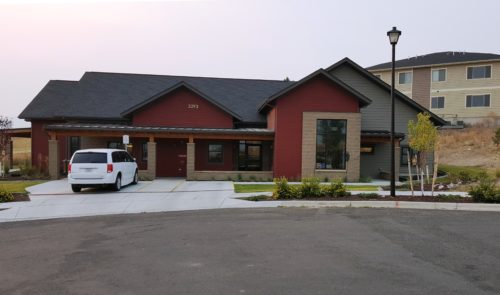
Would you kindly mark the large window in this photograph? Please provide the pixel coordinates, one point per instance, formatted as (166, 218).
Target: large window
(439, 75)
(215, 153)
(405, 78)
(480, 72)
(331, 144)
(473, 101)
(437, 102)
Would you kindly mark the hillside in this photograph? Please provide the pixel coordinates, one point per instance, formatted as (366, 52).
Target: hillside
(472, 146)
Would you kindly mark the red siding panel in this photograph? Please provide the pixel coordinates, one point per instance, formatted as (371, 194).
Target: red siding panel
(316, 95)
(201, 155)
(183, 108)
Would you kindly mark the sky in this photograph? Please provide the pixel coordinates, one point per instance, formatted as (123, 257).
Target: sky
(42, 40)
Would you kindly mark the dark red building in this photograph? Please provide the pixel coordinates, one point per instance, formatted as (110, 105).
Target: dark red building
(329, 124)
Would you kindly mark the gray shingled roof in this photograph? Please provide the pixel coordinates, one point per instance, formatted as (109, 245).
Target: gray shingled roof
(106, 95)
(437, 58)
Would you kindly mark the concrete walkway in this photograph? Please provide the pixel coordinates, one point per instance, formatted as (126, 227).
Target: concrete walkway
(55, 199)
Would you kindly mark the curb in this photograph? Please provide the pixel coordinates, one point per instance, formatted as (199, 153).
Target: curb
(394, 204)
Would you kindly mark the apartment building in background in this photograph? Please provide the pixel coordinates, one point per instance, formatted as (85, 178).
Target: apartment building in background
(460, 87)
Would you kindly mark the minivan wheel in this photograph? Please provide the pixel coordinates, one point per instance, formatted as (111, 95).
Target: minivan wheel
(76, 188)
(118, 183)
(136, 178)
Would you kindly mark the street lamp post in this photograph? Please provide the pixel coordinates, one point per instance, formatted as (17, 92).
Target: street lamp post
(393, 38)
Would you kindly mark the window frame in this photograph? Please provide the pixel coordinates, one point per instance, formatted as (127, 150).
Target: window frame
(344, 160)
(439, 69)
(405, 72)
(485, 78)
(472, 95)
(221, 161)
(144, 151)
(444, 101)
(404, 155)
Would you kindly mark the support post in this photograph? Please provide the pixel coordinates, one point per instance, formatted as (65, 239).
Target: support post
(190, 153)
(53, 158)
(151, 157)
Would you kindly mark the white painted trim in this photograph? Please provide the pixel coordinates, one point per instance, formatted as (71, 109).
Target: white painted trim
(467, 89)
(444, 102)
(445, 75)
(403, 72)
(478, 66)
(477, 94)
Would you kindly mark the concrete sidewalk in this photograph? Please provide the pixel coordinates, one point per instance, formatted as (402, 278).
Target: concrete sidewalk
(55, 200)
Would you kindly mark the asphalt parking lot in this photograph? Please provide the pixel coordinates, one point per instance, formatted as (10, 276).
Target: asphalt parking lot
(255, 251)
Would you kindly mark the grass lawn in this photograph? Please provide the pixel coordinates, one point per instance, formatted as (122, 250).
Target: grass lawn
(259, 188)
(18, 186)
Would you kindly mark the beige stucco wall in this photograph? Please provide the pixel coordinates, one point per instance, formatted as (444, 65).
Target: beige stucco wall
(309, 145)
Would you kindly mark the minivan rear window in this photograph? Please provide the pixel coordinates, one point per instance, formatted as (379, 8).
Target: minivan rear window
(89, 157)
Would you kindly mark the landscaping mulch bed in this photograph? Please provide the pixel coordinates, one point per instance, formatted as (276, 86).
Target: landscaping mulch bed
(20, 197)
(450, 199)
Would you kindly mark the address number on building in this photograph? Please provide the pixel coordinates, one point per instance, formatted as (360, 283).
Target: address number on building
(193, 106)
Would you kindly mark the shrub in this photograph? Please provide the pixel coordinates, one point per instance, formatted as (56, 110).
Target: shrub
(253, 178)
(336, 189)
(444, 197)
(310, 188)
(496, 137)
(239, 177)
(284, 190)
(485, 192)
(462, 173)
(5, 196)
(368, 195)
(145, 177)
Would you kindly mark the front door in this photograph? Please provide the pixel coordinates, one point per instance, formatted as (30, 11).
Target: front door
(171, 156)
(254, 157)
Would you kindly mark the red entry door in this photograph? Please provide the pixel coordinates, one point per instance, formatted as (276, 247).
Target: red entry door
(171, 158)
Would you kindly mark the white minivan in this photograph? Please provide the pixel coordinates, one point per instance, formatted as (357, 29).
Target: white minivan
(98, 167)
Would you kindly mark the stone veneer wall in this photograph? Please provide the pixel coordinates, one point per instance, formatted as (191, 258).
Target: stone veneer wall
(232, 175)
(353, 138)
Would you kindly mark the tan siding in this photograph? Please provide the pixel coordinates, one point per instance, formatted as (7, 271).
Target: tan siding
(421, 86)
(455, 89)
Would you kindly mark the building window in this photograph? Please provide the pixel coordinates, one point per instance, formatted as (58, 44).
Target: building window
(74, 145)
(144, 151)
(405, 78)
(250, 156)
(405, 150)
(480, 72)
(439, 75)
(331, 144)
(115, 145)
(437, 102)
(367, 149)
(473, 101)
(215, 153)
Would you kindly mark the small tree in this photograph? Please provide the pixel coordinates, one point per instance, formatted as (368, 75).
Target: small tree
(5, 124)
(422, 138)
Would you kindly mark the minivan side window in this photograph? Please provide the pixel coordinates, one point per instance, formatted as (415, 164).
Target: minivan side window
(117, 157)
